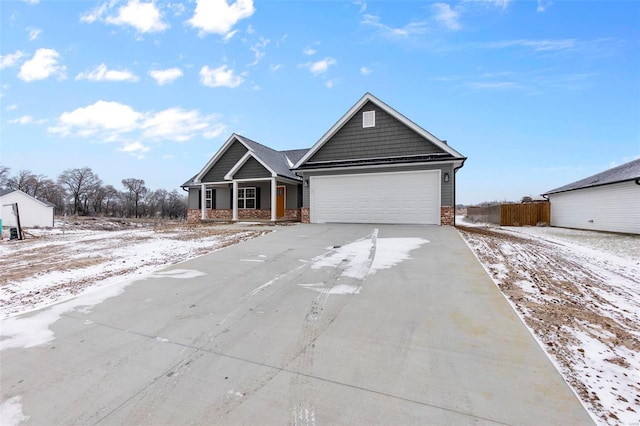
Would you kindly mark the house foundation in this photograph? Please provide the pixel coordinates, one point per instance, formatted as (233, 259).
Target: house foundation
(447, 215)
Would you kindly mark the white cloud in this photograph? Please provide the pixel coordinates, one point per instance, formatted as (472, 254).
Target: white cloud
(365, 70)
(362, 4)
(94, 15)
(163, 77)
(144, 17)
(537, 45)
(26, 119)
(275, 67)
(43, 65)
(113, 121)
(446, 16)
(11, 59)
(228, 36)
(319, 67)
(136, 149)
(31, 1)
(330, 83)
(413, 28)
(220, 77)
(309, 51)
(101, 73)
(101, 118)
(218, 16)
(33, 33)
(12, 107)
(502, 4)
(258, 50)
(543, 5)
(175, 124)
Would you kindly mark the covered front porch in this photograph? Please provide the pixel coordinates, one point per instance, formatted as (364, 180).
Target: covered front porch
(260, 199)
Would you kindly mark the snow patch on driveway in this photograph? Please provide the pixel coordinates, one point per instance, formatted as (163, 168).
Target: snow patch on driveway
(361, 258)
(11, 412)
(30, 331)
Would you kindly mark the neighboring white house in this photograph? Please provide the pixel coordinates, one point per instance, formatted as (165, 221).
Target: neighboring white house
(607, 201)
(33, 212)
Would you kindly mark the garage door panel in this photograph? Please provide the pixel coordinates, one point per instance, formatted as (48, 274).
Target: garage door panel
(400, 197)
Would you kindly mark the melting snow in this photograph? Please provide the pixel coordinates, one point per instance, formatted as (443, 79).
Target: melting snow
(29, 331)
(11, 412)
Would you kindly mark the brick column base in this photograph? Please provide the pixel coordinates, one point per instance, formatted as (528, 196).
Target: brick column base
(447, 215)
(304, 215)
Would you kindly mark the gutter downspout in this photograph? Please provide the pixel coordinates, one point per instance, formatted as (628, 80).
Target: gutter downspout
(455, 171)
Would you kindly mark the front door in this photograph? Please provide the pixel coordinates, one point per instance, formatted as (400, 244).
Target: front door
(280, 196)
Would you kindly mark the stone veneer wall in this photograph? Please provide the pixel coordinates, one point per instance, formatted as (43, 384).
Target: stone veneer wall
(304, 215)
(447, 215)
(194, 215)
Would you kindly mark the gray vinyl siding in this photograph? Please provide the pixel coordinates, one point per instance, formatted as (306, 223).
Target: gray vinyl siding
(388, 138)
(193, 200)
(292, 201)
(229, 159)
(252, 169)
(223, 197)
(446, 191)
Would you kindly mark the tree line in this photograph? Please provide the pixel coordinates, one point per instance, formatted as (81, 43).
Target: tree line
(81, 192)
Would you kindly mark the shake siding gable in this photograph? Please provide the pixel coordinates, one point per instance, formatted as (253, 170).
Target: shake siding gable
(252, 169)
(229, 159)
(388, 138)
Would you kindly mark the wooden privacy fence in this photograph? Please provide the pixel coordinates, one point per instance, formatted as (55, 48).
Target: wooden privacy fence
(523, 214)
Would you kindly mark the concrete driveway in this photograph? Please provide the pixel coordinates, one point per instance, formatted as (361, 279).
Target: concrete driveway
(326, 324)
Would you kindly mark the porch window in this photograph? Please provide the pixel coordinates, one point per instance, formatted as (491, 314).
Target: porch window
(208, 199)
(246, 198)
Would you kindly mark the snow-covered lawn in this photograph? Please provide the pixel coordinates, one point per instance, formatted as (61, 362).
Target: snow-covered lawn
(49, 267)
(579, 294)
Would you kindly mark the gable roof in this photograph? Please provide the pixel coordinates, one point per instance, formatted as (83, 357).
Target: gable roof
(368, 97)
(626, 172)
(278, 163)
(45, 203)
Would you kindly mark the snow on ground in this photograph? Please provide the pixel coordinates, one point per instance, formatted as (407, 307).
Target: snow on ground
(579, 294)
(50, 266)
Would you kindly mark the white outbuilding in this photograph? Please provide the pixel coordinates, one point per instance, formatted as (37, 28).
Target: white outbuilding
(33, 212)
(607, 201)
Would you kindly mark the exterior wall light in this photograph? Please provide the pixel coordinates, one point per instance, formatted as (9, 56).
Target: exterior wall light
(446, 177)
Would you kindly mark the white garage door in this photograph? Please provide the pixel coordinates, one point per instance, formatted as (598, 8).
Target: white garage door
(398, 197)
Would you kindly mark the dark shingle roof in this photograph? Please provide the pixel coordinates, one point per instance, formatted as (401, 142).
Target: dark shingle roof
(278, 161)
(623, 173)
(4, 192)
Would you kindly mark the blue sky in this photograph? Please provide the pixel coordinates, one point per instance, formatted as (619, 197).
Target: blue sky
(536, 94)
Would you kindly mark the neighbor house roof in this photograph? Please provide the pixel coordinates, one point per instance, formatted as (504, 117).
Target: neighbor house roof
(626, 172)
(368, 97)
(279, 163)
(46, 203)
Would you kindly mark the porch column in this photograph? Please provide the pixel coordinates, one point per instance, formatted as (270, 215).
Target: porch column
(203, 201)
(235, 200)
(273, 199)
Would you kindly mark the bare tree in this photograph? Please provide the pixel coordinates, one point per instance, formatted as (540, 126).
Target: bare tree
(176, 205)
(78, 182)
(53, 193)
(4, 176)
(110, 199)
(26, 182)
(137, 191)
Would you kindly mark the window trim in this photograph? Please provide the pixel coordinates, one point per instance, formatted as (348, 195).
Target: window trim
(208, 199)
(242, 196)
(368, 119)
